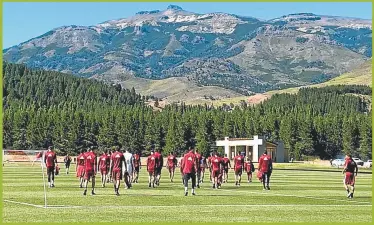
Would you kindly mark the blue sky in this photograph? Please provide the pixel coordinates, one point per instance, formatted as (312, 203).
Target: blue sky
(23, 21)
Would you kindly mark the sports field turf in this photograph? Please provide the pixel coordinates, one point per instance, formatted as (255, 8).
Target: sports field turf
(298, 196)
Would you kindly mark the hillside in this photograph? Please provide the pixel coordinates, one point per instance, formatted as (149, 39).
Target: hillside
(361, 75)
(240, 53)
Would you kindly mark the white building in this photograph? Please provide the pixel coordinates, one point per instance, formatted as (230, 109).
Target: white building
(254, 148)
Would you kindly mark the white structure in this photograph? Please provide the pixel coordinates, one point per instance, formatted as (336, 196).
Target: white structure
(253, 148)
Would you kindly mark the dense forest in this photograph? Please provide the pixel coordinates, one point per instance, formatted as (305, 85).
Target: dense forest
(43, 108)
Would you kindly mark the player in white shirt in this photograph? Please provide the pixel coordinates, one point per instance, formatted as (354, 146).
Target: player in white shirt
(129, 168)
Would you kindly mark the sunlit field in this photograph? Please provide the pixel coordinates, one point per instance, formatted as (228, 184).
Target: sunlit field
(295, 195)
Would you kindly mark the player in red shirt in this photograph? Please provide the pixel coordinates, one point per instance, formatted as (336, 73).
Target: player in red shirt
(181, 165)
(203, 165)
(350, 170)
(209, 163)
(137, 167)
(238, 167)
(265, 166)
(226, 167)
(159, 165)
(151, 168)
(80, 167)
(171, 164)
(189, 170)
(117, 160)
(198, 158)
(50, 161)
(249, 168)
(90, 167)
(104, 163)
(216, 163)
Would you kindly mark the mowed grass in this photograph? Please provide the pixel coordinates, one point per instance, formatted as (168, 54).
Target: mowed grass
(297, 196)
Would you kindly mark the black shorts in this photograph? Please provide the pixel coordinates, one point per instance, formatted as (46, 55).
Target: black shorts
(158, 170)
(50, 170)
(137, 169)
(226, 170)
(67, 165)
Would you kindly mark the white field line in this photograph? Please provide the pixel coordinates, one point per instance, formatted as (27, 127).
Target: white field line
(296, 196)
(23, 203)
(176, 206)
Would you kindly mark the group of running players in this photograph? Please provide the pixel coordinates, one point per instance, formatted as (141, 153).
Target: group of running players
(116, 165)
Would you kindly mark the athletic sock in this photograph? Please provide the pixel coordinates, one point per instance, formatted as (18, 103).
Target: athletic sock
(185, 189)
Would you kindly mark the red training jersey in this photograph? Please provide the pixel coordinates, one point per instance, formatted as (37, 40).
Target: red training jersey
(117, 159)
(239, 161)
(50, 158)
(104, 161)
(89, 161)
(265, 163)
(151, 163)
(157, 155)
(189, 163)
(350, 165)
(136, 160)
(215, 162)
(226, 162)
(172, 161)
(248, 167)
(80, 159)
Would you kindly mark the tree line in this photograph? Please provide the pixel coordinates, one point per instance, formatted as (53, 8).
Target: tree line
(43, 108)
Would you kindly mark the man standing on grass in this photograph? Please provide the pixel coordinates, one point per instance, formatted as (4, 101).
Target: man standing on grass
(129, 168)
(67, 161)
(198, 158)
(350, 170)
(171, 164)
(151, 168)
(249, 168)
(80, 167)
(116, 162)
(159, 165)
(203, 165)
(110, 178)
(104, 163)
(265, 166)
(238, 167)
(137, 167)
(90, 166)
(216, 162)
(210, 167)
(226, 166)
(189, 170)
(50, 161)
(181, 166)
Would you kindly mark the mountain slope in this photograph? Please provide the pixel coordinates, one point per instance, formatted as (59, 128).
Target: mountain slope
(240, 53)
(361, 75)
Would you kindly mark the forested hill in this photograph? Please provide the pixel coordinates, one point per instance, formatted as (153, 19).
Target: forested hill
(40, 88)
(44, 108)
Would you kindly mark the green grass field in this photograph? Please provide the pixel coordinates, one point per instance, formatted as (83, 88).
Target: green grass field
(297, 196)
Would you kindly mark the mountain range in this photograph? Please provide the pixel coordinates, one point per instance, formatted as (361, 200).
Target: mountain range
(237, 55)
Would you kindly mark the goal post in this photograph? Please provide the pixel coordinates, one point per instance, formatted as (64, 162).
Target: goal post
(27, 158)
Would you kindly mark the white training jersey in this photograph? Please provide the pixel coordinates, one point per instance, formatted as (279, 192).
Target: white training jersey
(129, 161)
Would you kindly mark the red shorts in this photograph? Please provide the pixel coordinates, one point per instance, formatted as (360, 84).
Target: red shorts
(88, 174)
(151, 173)
(215, 173)
(349, 178)
(117, 174)
(103, 170)
(80, 171)
(238, 171)
(171, 168)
